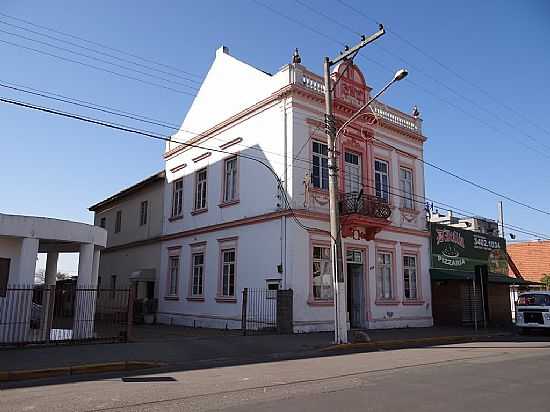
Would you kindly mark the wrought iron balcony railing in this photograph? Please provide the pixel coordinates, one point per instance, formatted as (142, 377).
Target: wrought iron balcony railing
(365, 205)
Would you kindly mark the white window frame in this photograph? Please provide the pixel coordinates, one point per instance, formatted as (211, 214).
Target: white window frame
(382, 180)
(384, 275)
(410, 277)
(321, 273)
(173, 275)
(228, 269)
(177, 197)
(407, 187)
(230, 180)
(197, 274)
(353, 173)
(318, 158)
(201, 190)
(143, 212)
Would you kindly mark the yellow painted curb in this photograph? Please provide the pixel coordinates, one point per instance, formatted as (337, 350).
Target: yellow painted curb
(35, 374)
(396, 343)
(98, 367)
(76, 370)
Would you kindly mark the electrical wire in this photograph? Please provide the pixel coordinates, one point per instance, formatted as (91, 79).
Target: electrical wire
(417, 85)
(97, 68)
(126, 53)
(295, 158)
(432, 78)
(112, 56)
(446, 67)
(98, 59)
(166, 139)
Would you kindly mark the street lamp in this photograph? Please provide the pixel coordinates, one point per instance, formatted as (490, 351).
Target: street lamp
(340, 315)
(399, 75)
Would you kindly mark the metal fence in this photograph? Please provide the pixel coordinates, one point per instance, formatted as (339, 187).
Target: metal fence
(266, 311)
(259, 311)
(63, 314)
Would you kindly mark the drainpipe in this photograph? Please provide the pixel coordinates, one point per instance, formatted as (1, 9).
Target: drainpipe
(285, 187)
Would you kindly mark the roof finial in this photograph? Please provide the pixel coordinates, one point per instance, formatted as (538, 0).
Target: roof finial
(296, 57)
(416, 112)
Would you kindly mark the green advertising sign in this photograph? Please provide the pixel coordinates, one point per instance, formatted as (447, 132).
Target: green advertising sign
(458, 249)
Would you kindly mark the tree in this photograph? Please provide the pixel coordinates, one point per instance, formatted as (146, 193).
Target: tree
(545, 279)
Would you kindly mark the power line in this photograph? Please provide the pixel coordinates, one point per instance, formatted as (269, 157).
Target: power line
(453, 209)
(444, 66)
(96, 67)
(375, 62)
(173, 68)
(434, 79)
(158, 137)
(166, 139)
(133, 116)
(453, 175)
(86, 104)
(98, 52)
(98, 59)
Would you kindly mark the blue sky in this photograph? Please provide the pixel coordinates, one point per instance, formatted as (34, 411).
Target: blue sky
(58, 168)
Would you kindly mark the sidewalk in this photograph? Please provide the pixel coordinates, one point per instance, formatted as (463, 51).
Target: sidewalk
(194, 348)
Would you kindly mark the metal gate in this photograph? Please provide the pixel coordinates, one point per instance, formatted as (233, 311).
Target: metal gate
(266, 311)
(63, 314)
(472, 310)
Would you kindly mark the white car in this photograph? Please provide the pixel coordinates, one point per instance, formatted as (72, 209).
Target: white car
(533, 310)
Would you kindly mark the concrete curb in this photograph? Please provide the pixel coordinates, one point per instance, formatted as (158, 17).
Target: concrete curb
(18, 375)
(405, 343)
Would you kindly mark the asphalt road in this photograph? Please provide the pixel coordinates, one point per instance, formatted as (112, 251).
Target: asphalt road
(496, 376)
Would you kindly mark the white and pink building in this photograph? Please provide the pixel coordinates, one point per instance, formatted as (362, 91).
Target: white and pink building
(227, 225)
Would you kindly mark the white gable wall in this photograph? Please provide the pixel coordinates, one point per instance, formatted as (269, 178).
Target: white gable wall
(230, 86)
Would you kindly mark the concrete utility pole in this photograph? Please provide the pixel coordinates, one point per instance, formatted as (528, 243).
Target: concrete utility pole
(501, 220)
(340, 315)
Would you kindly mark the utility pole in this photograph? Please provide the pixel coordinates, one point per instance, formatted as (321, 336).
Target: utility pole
(340, 312)
(501, 219)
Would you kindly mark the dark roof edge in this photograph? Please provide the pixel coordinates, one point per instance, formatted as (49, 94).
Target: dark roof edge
(125, 192)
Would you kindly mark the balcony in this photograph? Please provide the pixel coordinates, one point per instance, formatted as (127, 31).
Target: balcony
(363, 215)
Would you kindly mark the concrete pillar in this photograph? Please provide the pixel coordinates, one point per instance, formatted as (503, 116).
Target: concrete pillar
(27, 263)
(85, 299)
(85, 263)
(48, 298)
(51, 268)
(95, 267)
(16, 307)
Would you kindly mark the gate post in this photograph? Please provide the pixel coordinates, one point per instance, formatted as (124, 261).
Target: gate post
(284, 311)
(50, 310)
(244, 310)
(130, 327)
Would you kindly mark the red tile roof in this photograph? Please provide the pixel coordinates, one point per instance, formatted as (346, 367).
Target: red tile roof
(531, 258)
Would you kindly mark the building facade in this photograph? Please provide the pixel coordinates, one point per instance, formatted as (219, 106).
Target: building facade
(133, 219)
(469, 273)
(475, 224)
(246, 202)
